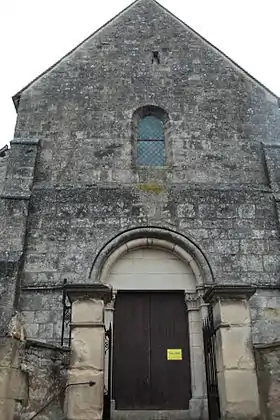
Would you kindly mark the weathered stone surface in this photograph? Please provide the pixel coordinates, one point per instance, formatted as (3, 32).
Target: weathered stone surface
(10, 352)
(46, 379)
(236, 343)
(3, 166)
(239, 396)
(84, 402)
(13, 384)
(241, 385)
(265, 305)
(72, 184)
(268, 368)
(235, 313)
(7, 407)
(13, 381)
(87, 346)
(236, 371)
(89, 310)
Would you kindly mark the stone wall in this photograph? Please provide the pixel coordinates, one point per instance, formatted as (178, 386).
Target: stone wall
(74, 150)
(3, 167)
(44, 366)
(72, 183)
(75, 130)
(14, 209)
(81, 110)
(265, 310)
(13, 381)
(237, 231)
(268, 369)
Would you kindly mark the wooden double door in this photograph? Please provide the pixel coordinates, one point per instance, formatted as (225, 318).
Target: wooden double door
(151, 364)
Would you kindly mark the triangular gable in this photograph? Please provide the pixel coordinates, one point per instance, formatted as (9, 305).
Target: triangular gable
(16, 97)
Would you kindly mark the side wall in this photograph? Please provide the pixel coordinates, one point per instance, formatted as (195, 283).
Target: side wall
(268, 369)
(47, 375)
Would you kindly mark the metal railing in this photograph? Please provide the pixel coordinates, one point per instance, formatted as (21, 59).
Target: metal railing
(209, 337)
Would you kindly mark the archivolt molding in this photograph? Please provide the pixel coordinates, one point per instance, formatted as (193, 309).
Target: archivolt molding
(160, 238)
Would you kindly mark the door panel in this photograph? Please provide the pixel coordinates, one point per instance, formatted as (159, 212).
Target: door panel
(131, 362)
(146, 325)
(170, 379)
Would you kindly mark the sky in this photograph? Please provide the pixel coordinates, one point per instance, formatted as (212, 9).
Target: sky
(34, 34)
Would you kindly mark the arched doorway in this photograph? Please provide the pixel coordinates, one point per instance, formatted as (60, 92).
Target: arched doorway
(157, 308)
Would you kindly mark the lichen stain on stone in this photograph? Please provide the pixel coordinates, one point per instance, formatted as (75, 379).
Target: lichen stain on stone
(152, 187)
(272, 313)
(107, 151)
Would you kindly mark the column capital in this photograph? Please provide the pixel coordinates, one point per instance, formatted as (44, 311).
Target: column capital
(228, 292)
(192, 301)
(110, 306)
(89, 291)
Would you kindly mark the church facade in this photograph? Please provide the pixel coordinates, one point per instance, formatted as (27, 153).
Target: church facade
(141, 189)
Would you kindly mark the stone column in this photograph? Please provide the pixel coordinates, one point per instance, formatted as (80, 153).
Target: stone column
(236, 371)
(84, 401)
(109, 318)
(198, 402)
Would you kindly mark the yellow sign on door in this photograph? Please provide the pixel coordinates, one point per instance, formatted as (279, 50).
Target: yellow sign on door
(174, 354)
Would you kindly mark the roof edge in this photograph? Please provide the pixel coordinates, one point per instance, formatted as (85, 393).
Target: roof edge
(16, 97)
(220, 52)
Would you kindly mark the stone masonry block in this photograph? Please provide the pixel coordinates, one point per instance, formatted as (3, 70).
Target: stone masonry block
(89, 310)
(12, 384)
(82, 401)
(7, 352)
(88, 347)
(237, 348)
(18, 385)
(4, 381)
(235, 312)
(32, 330)
(246, 211)
(43, 317)
(241, 386)
(46, 331)
(238, 399)
(7, 407)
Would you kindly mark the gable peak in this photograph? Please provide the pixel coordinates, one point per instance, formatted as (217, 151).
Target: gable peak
(142, 4)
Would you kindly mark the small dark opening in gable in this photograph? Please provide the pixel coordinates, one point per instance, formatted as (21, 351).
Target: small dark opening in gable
(155, 58)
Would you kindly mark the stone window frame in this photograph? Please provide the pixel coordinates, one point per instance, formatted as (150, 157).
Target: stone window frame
(160, 113)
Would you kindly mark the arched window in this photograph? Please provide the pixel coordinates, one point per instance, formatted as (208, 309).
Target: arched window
(150, 141)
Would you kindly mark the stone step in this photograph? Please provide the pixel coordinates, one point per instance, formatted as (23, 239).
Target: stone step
(151, 415)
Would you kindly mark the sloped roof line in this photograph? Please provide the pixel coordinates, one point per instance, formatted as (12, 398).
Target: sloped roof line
(16, 97)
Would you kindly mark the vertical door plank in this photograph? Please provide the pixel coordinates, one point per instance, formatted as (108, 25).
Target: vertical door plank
(170, 379)
(131, 385)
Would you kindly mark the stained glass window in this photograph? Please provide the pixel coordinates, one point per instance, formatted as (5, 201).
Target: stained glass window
(150, 143)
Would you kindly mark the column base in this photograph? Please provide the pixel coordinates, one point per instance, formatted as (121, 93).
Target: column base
(199, 409)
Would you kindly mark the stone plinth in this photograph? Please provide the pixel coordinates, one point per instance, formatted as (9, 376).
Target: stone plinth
(83, 401)
(236, 371)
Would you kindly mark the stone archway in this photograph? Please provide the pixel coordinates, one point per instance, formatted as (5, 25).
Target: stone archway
(168, 239)
(194, 283)
(237, 380)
